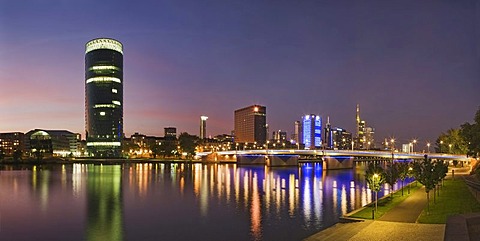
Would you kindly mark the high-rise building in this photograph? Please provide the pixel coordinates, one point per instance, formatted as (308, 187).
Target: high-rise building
(279, 135)
(203, 126)
(170, 133)
(341, 139)
(328, 135)
(312, 131)
(250, 124)
(364, 136)
(104, 97)
(298, 130)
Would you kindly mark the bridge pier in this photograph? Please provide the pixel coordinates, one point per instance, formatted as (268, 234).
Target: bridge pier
(268, 160)
(331, 163)
(281, 160)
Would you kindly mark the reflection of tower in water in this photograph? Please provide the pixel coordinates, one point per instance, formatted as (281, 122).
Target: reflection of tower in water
(104, 203)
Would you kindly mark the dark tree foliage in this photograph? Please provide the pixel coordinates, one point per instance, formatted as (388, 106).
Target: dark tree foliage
(391, 175)
(471, 135)
(402, 168)
(188, 142)
(424, 174)
(375, 177)
(17, 155)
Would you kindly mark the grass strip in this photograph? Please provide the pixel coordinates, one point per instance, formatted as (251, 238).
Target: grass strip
(386, 203)
(454, 198)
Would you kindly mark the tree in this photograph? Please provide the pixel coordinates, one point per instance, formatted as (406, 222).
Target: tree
(471, 135)
(391, 175)
(188, 142)
(451, 142)
(17, 155)
(403, 168)
(375, 177)
(424, 174)
(440, 169)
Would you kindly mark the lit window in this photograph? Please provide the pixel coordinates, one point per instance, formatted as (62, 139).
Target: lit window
(103, 79)
(116, 102)
(104, 106)
(114, 90)
(102, 113)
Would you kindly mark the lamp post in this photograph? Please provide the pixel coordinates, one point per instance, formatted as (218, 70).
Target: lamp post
(375, 181)
(428, 147)
(413, 145)
(393, 144)
(440, 147)
(410, 169)
(449, 148)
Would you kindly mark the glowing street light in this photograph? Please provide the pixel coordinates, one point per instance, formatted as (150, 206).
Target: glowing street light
(428, 147)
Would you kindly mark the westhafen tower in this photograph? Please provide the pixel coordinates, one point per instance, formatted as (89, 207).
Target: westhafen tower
(104, 97)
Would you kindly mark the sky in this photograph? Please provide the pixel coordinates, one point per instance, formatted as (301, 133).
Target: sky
(412, 66)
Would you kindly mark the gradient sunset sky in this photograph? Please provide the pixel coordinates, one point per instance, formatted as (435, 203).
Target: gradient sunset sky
(413, 66)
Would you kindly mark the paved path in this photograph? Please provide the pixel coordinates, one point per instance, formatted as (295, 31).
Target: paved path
(396, 224)
(380, 230)
(409, 210)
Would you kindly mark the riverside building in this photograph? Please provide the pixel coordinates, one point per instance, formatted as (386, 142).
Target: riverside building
(251, 124)
(104, 97)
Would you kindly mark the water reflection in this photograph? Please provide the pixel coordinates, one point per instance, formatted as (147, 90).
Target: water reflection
(104, 203)
(176, 201)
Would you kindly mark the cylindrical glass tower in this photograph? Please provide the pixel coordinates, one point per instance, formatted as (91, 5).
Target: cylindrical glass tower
(104, 97)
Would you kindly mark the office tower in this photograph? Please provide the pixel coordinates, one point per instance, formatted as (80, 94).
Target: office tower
(312, 131)
(104, 97)
(279, 135)
(250, 124)
(170, 133)
(328, 135)
(298, 130)
(341, 139)
(203, 127)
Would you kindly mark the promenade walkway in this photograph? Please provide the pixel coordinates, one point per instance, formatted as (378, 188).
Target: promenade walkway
(408, 210)
(397, 224)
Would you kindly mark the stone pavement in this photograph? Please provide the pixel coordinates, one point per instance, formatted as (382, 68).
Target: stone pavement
(369, 230)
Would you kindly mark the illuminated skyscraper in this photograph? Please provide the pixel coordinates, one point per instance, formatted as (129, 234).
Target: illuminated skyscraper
(312, 131)
(104, 97)
(250, 124)
(298, 132)
(203, 126)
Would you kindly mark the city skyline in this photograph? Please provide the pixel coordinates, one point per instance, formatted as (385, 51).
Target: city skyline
(413, 77)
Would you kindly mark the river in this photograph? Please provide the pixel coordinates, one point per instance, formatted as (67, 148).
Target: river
(175, 201)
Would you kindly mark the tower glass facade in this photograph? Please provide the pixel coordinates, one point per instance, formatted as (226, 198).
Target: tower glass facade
(203, 126)
(104, 97)
(312, 131)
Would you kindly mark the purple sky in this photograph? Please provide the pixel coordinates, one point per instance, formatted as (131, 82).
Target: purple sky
(413, 66)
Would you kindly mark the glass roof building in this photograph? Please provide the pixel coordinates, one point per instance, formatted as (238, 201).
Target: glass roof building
(104, 97)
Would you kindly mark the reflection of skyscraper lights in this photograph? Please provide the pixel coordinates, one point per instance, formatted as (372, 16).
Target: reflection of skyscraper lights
(343, 197)
(307, 200)
(255, 211)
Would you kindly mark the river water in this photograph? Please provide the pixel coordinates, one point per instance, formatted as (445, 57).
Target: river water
(173, 201)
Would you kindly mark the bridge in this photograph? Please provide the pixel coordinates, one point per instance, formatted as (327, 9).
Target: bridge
(331, 159)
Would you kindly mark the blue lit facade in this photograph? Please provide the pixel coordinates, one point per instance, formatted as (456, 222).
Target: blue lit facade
(312, 131)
